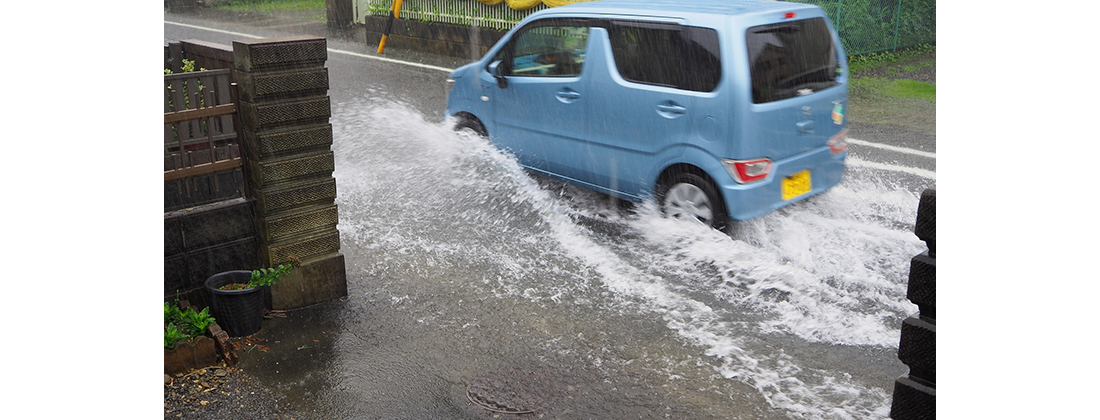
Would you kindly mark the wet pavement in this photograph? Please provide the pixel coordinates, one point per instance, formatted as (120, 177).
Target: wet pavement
(362, 357)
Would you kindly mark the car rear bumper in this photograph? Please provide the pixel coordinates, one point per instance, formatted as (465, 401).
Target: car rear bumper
(746, 201)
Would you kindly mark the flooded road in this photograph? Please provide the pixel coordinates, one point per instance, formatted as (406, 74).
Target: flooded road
(462, 266)
(464, 270)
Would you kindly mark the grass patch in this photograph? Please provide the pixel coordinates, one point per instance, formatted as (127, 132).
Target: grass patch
(894, 89)
(858, 63)
(917, 66)
(272, 5)
(900, 88)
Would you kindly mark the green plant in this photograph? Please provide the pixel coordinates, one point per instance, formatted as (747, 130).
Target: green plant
(172, 314)
(186, 92)
(196, 323)
(375, 9)
(187, 67)
(261, 277)
(184, 325)
(173, 335)
(268, 276)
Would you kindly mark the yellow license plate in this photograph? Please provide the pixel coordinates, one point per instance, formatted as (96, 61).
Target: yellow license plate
(796, 185)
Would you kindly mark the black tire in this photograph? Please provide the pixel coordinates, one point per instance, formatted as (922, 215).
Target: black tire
(917, 348)
(688, 194)
(913, 399)
(922, 284)
(926, 220)
(471, 123)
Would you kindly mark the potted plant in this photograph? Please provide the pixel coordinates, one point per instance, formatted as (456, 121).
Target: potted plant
(237, 297)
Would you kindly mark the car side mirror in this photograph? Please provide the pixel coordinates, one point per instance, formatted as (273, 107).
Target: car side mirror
(498, 73)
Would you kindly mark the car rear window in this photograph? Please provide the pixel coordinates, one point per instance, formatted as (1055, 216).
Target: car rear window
(683, 57)
(791, 58)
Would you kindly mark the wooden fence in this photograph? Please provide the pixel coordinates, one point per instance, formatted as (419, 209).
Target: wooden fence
(201, 139)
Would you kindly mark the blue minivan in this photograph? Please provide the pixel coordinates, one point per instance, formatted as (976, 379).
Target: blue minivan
(720, 110)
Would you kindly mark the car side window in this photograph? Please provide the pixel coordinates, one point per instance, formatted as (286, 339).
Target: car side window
(546, 49)
(662, 54)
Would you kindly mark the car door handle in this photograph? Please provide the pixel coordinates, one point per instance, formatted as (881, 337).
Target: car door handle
(567, 95)
(805, 127)
(669, 109)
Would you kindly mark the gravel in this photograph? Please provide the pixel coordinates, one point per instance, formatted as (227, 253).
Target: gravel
(221, 392)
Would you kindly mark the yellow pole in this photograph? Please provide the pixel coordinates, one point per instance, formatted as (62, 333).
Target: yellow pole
(394, 14)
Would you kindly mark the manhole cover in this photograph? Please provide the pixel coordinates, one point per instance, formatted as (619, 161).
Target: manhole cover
(511, 391)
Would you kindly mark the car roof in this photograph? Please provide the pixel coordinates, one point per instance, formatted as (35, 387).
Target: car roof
(678, 8)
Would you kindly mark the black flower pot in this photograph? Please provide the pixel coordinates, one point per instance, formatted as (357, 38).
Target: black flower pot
(238, 312)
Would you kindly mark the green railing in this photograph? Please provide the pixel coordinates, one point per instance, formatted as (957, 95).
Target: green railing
(864, 26)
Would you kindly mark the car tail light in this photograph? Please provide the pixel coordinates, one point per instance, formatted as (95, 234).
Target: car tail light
(839, 142)
(746, 171)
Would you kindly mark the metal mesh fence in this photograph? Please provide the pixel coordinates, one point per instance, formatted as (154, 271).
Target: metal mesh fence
(864, 26)
(880, 25)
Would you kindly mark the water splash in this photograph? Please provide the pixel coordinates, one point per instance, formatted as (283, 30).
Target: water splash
(427, 202)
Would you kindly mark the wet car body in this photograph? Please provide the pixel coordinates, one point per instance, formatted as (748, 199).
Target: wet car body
(720, 110)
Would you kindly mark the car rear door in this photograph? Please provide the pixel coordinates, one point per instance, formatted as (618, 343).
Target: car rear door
(645, 98)
(798, 100)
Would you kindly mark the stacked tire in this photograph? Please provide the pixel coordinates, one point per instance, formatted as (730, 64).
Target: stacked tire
(915, 393)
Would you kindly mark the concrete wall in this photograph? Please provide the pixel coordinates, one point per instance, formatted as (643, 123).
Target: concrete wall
(339, 13)
(436, 38)
(205, 240)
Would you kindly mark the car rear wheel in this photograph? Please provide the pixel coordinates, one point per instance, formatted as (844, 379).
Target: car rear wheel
(690, 196)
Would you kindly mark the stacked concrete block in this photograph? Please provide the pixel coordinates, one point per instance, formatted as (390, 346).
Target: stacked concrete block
(284, 111)
(915, 393)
